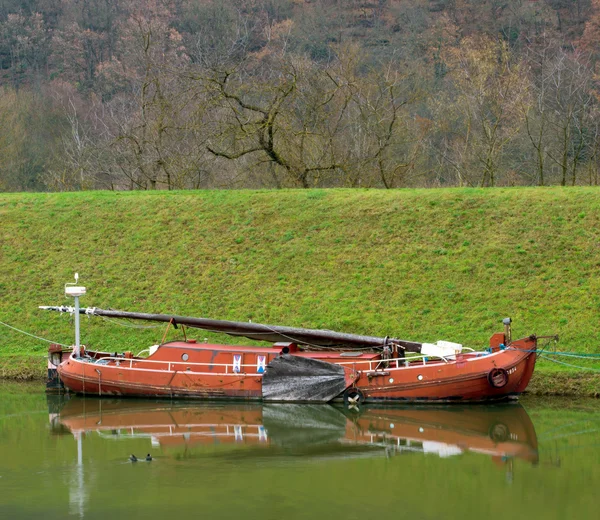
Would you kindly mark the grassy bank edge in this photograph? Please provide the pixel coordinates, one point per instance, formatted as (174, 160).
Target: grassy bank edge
(566, 384)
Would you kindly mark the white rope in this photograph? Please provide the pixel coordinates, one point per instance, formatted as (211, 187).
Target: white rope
(32, 335)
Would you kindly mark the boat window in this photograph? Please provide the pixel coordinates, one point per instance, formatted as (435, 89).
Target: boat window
(185, 357)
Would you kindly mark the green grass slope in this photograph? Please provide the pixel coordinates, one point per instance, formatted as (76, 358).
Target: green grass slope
(415, 264)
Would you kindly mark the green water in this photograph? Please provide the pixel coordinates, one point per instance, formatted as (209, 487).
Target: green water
(70, 459)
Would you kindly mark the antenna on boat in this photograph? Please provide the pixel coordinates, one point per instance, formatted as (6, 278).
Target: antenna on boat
(72, 289)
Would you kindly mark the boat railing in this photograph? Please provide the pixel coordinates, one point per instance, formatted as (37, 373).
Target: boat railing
(366, 365)
(401, 362)
(379, 365)
(134, 362)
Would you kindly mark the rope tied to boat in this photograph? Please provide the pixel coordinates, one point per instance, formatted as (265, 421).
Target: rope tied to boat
(32, 335)
(548, 356)
(545, 356)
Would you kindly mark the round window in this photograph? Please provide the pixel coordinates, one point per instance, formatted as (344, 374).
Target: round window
(185, 357)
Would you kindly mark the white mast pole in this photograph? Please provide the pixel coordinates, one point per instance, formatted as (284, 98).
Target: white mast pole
(77, 343)
(71, 289)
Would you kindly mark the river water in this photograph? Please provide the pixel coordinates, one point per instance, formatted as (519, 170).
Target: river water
(69, 458)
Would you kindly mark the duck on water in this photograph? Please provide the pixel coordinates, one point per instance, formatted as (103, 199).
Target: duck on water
(133, 458)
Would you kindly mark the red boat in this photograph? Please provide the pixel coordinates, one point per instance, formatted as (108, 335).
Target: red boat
(302, 365)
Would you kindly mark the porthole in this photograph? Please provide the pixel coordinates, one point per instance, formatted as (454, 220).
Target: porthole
(185, 357)
(420, 377)
(391, 379)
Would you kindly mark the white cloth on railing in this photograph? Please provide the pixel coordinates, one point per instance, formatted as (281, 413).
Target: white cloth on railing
(441, 349)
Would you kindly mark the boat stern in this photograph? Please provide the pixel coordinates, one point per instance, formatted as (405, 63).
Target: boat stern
(56, 355)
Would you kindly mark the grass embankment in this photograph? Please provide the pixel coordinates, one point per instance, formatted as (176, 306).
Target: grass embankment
(416, 264)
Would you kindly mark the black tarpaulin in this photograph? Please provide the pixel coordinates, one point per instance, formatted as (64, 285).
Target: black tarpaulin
(296, 378)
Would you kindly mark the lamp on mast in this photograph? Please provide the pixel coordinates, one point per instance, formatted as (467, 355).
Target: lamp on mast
(72, 289)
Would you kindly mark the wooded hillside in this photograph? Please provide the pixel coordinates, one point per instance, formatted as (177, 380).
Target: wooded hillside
(171, 94)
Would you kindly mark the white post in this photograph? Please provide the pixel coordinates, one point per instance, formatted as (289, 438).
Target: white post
(75, 291)
(77, 349)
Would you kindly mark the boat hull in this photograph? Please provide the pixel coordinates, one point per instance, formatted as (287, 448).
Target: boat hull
(180, 370)
(467, 380)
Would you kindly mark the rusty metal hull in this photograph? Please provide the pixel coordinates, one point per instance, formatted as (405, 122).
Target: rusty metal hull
(184, 369)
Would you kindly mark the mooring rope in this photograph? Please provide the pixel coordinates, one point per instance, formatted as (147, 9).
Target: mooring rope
(32, 335)
(545, 354)
(570, 364)
(581, 355)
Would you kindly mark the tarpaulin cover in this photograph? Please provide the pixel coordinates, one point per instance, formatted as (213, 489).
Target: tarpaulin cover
(296, 378)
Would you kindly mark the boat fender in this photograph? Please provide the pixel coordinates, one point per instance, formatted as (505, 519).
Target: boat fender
(55, 358)
(498, 377)
(353, 396)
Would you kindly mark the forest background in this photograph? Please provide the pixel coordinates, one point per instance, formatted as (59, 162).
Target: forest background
(188, 94)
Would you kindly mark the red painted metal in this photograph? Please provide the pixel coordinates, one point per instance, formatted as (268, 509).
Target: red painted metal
(186, 369)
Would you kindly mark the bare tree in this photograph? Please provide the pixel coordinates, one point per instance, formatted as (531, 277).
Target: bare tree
(393, 137)
(491, 86)
(570, 100)
(280, 119)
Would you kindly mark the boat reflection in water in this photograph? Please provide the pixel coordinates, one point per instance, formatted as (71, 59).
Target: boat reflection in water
(503, 432)
(284, 431)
